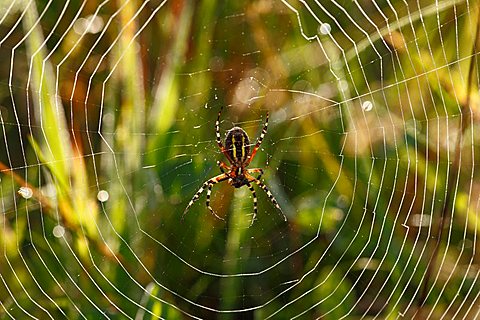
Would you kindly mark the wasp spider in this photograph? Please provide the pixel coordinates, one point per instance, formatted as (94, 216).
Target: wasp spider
(237, 151)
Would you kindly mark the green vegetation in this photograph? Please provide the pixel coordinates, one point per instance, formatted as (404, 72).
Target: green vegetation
(108, 117)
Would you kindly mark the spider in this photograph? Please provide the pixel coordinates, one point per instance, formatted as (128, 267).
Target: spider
(237, 152)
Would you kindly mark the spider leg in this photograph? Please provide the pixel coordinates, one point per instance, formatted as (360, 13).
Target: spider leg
(219, 137)
(269, 194)
(259, 141)
(209, 191)
(217, 130)
(255, 206)
(223, 166)
(207, 184)
(256, 170)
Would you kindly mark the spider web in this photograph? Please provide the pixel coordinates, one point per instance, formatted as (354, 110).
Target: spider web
(108, 114)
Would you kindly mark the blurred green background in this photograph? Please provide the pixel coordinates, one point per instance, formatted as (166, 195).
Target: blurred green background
(108, 113)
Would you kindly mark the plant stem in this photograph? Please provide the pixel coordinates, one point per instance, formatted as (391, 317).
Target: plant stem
(238, 223)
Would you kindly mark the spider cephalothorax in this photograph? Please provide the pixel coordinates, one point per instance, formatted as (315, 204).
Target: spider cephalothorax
(237, 152)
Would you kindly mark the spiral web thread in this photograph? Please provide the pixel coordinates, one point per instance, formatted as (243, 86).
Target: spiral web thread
(108, 120)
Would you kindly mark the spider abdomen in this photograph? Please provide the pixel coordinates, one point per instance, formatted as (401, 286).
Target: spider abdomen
(237, 145)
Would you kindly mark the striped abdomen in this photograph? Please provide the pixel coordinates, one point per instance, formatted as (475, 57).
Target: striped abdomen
(237, 145)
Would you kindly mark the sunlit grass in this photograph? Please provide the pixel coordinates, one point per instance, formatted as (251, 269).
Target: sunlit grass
(364, 188)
